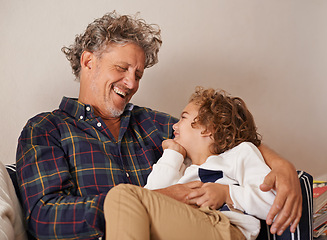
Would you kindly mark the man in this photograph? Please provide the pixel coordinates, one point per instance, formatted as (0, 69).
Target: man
(68, 159)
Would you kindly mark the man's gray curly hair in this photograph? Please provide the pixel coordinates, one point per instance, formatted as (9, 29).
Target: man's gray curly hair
(115, 28)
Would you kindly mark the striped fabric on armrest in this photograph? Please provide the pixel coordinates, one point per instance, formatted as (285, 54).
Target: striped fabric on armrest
(304, 230)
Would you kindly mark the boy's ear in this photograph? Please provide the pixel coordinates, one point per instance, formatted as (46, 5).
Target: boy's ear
(87, 60)
(206, 133)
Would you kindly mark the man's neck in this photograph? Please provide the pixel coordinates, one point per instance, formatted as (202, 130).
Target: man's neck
(113, 123)
(114, 126)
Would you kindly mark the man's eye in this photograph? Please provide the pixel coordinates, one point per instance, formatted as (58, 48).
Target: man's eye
(120, 68)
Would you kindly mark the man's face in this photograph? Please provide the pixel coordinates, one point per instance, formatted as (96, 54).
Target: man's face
(113, 79)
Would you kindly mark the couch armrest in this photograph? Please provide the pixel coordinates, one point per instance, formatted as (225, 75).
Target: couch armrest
(304, 230)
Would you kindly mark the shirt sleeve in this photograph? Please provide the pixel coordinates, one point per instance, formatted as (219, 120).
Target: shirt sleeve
(53, 207)
(167, 171)
(250, 171)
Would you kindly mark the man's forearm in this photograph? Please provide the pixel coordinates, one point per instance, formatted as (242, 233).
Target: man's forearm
(271, 158)
(180, 191)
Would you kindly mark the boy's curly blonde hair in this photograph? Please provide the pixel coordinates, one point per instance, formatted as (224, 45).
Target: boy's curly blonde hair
(226, 117)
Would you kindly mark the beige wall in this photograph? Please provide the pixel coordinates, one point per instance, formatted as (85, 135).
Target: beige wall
(271, 53)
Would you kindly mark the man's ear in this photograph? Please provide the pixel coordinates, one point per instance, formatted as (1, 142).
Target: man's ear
(87, 60)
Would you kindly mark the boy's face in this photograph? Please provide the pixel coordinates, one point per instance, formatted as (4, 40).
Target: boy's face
(186, 135)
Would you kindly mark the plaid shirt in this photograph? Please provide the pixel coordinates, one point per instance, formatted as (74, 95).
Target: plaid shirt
(67, 160)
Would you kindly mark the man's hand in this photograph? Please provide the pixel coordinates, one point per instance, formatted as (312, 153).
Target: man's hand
(180, 191)
(173, 145)
(288, 202)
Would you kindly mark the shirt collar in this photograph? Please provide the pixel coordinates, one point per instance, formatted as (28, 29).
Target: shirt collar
(80, 110)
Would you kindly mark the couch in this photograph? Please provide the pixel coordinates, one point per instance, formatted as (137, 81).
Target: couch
(304, 230)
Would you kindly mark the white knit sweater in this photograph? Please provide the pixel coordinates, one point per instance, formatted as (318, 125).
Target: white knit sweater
(242, 168)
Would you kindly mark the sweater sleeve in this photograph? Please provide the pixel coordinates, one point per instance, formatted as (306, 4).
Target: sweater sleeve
(167, 171)
(250, 172)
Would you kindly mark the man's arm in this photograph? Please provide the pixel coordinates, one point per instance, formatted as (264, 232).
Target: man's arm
(288, 202)
(180, 192)
(52, 207)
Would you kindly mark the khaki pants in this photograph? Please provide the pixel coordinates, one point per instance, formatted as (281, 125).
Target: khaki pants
(132, 212)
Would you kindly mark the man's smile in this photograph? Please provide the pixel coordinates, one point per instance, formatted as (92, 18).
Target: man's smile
(120, 92)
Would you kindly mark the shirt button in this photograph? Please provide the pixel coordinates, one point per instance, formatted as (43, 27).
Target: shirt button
(127, 175)
(99, 124)
(88, 109)
(81, 117)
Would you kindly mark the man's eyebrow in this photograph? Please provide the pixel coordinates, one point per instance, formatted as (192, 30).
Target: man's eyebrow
(126, 63)
(184, 112)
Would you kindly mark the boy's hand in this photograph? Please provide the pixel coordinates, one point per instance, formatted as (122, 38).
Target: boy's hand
(212, 195)
(173, 145)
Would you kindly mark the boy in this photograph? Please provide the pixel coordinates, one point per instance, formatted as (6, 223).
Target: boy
(218, 134)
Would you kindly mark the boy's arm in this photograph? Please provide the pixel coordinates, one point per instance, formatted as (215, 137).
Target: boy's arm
(245, 166)
(288, 202)
(166, 171)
